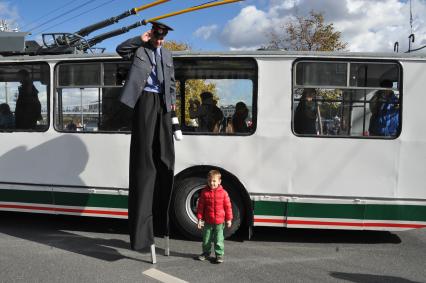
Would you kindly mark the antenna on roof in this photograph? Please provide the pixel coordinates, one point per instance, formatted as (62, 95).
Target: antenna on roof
(411, 18)
(410, 40)
(411, 37)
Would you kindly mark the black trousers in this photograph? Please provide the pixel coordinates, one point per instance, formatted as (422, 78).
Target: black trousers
(152, 159)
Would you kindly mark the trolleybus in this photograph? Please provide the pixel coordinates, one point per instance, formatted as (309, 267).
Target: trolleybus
(74, 158)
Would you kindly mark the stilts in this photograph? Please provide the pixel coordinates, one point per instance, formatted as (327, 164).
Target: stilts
(153, 255)
(167, 246)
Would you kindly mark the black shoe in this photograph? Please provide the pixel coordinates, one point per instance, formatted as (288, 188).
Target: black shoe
(203, 256)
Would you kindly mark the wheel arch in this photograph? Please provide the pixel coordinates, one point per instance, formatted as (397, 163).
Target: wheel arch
(202, 170)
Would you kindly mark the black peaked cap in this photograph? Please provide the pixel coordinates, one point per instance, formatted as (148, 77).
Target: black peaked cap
(160, 28)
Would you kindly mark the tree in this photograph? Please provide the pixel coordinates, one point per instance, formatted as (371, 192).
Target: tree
(176, 46)
(193, 87)
(312, 34)
(307, 34)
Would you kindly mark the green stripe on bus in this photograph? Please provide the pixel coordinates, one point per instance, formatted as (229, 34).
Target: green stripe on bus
(64, 198)
(341, 211)
(90, 200)
(395, 212)
(273, 208)
(40, 197)
(321, 210)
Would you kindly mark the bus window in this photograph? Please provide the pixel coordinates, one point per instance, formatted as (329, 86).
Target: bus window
(115, 73)
(321, 73)
(24, 97)
(82, 74)
(373, 74)
(91, 104)
(217, 96)
(367, 104)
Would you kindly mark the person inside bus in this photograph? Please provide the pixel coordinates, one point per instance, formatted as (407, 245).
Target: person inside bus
(28, 107)
(7, 120)
(207, 113)
(239, 124)
(71, 126)
(305, 115)
(384, 106)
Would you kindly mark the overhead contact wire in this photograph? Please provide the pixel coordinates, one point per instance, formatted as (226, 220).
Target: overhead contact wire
(64, 13)
(47, 14)
(76, 16)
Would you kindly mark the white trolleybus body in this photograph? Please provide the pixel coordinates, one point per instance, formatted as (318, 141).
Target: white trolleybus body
(74, 158)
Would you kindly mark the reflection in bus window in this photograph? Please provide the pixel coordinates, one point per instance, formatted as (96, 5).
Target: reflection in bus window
(23, 97)
(218, 95)
(94, 105)
(366, 105)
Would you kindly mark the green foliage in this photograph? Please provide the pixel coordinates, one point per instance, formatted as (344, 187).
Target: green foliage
(176, 46)
(193, 88)
(330, 108)
(307, 34)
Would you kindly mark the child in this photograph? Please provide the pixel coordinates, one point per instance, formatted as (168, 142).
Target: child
(213, 211)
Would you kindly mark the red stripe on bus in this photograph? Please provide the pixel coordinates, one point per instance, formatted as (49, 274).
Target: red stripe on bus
(281, 221)
(394, 225)
(105, 212)
(324, 223)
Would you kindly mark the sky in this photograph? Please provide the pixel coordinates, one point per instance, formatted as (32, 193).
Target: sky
(366, 25)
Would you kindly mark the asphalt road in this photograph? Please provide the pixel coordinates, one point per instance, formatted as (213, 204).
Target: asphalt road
(42, 248)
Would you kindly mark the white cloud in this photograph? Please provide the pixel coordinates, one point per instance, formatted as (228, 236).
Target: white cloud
(206, 32)
(250, 29)
(365, 25)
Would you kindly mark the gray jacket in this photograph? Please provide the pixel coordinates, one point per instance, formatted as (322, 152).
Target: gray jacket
(141, 55)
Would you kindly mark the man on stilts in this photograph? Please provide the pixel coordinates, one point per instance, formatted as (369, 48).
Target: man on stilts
(150, 90)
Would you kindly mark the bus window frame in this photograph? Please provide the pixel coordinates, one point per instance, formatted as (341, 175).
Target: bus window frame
(100, 86)
(254, 95)
(48, 94)
(348, 61)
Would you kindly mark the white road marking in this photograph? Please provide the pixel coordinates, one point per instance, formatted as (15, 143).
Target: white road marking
(161, 276)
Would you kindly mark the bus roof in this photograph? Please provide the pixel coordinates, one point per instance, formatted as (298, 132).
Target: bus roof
(257, 53)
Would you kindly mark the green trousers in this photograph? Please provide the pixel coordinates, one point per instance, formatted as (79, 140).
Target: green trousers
(213, 233)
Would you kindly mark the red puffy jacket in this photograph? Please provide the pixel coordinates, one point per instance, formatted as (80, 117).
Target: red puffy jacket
(214, 206)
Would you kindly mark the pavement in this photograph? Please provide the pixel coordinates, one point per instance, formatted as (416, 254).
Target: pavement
(45, 248)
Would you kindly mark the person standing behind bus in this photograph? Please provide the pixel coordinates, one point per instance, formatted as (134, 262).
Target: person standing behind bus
(28, 107)
(150, 90)
(305, 116)
(214, 209)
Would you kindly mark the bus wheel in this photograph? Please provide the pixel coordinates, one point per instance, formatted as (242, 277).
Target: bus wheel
(185, 202)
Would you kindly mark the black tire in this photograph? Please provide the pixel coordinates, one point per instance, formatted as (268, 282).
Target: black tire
(184, 207)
